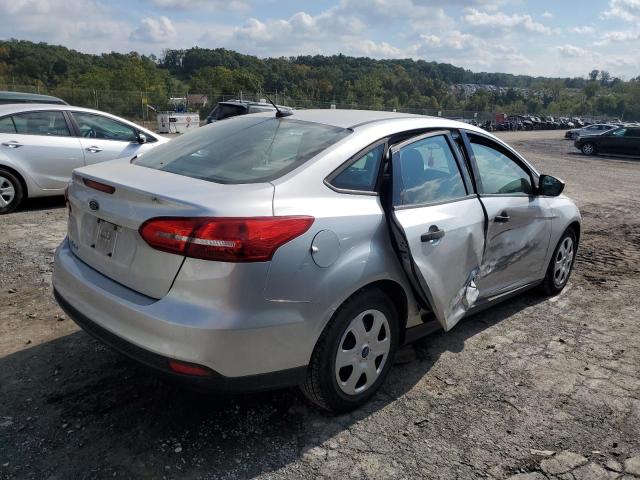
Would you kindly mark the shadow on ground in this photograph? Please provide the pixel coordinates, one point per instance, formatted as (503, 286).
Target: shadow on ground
(44, 203)
(73, 408)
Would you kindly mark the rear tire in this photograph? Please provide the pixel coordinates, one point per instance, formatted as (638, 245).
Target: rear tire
(354, 353)
(561, 264)
(588, 148)
(11, 192)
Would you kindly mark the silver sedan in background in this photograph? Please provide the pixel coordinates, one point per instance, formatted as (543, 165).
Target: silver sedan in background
(304, 249)
(41, 144)
(595, 129)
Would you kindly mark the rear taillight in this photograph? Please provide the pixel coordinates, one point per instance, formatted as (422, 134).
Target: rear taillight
(223, 239)
(191, 369)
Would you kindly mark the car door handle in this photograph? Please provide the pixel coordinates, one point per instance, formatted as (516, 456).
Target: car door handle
(94, 149)
(12, 144)
(434, 233)
(502, 218)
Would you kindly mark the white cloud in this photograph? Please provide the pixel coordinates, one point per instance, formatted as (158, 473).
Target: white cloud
(618, 37)
(81, 24)
(547, 14)
(301, 33)
(571, 51)
(155, 30)
(586, 29)
(628, 10)
(454, 40)
(209, 5)
(499, 20)
(369, 48)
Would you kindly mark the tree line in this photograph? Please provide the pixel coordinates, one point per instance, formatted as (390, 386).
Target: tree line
(338, 79)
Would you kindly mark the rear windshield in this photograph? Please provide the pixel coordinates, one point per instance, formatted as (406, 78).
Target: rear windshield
(243, 149)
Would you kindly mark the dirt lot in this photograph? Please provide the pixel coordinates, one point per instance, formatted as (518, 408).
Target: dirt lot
(534, 386)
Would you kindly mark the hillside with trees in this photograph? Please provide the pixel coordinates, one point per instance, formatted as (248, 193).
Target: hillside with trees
(304, 80)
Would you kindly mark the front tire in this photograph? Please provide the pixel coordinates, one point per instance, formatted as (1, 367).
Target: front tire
(588, 148)
(561, 264)
(354, 353)
(11, 192)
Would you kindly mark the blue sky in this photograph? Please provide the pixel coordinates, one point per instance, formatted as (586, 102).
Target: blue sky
(558, 38)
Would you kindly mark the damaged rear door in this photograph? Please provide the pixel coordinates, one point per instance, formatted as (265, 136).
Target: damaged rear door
(437, 223)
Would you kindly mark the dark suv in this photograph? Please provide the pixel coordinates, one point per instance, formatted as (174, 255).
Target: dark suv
(622, 141)
(232, 108)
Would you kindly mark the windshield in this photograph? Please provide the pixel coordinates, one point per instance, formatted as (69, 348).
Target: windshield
(244, 149)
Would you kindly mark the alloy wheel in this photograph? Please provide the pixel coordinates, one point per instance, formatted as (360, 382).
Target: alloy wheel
(563, 262)
(362, 352)
(7, 191)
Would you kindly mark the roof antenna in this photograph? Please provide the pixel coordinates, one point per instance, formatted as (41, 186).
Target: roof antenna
(279, 113)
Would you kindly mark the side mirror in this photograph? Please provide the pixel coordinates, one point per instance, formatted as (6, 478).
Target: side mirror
(142, 138)
(550, 186)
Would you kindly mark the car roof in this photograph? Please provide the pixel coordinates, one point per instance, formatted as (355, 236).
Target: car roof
(361, 119)
(348, 118)
(10, 108)
(29, 97)
(13, 108)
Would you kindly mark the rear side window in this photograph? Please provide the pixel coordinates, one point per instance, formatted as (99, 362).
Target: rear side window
(362, 174)
(426, 171)
(632, 132)
(6, 125)
(41, 123)
(244, 149)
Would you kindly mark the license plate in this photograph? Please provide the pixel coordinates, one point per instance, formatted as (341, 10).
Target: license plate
(106, 237)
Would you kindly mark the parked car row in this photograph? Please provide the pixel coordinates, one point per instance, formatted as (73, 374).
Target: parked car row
(530, 122)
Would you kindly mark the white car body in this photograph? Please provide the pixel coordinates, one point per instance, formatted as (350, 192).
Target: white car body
(44, 162)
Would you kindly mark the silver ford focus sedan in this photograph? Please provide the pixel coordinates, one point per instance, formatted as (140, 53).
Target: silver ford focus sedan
(304, 249)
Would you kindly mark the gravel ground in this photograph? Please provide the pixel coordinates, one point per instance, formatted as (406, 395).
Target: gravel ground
(534, 388)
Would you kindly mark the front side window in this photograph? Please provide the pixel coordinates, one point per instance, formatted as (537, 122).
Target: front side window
(244, 149)
(7, 126)
(41, 123)
(621, 132)
(362, 174)
(426, 171)
(632, 132)
(104, 128)
(499, 173)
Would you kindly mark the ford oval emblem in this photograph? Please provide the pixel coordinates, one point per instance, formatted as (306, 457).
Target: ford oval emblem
(94, 205)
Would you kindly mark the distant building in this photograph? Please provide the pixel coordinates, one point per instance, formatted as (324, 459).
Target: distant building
(197, 100)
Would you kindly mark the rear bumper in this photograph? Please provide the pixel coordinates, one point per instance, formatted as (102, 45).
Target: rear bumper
(186, 328)
(213, 382)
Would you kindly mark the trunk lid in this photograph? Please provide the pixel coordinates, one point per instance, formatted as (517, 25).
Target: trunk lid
(103, 227)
